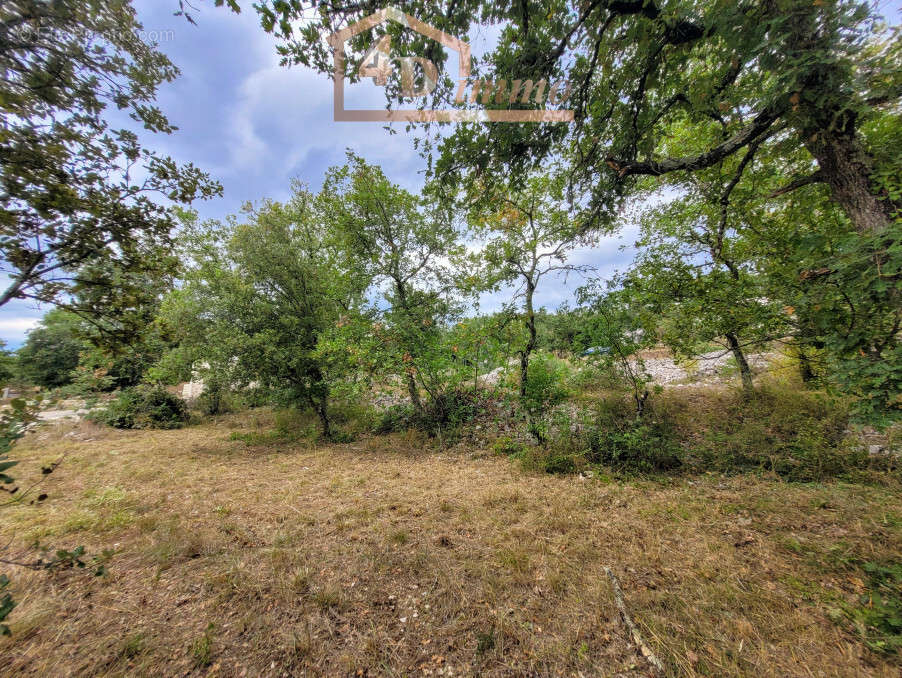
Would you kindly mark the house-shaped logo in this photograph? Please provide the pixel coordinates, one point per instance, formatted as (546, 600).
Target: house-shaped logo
(378, 63)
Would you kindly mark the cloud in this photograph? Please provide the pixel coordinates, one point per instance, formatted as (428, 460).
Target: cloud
(15, 324)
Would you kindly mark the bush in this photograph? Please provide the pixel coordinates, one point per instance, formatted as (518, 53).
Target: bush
(878, 615)
(446, 413)
(544, 460)
(394, 419)
(144, 407)
(216, 399)
(450, 410)
(612, 436)
(637, 446)
(545, 387)
(508, 447)
(795, 433)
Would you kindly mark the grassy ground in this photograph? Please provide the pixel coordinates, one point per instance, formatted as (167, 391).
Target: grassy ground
(240, 554)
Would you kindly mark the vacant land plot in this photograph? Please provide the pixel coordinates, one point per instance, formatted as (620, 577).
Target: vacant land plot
(239, 553)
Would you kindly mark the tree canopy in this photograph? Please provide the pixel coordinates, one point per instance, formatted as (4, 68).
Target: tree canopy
(83, 205)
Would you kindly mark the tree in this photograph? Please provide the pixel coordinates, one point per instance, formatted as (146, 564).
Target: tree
(77, 212)
(52, 350)
(396, 240)
(7, 364)
(696, 278)
(661, 90)
(736, 73)
(272, 294)
(841, 293)
(529, 233)
(613, 322)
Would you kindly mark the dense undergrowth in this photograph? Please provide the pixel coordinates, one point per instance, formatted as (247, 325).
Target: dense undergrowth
(797, 435)
(144, 407)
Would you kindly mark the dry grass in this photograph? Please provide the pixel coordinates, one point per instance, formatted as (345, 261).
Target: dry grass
(384, 557)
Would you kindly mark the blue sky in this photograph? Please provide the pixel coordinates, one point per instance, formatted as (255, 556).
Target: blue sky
(254, 125)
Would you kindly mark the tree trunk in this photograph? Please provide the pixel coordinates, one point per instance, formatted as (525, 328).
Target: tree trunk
(744, 371)
(401, 291)
(846, 167)
(414, 392)
(640, 399)
(322, 411)
(806, 371)
(531, 341)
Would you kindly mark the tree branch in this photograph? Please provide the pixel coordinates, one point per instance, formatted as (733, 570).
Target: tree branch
(816, 178)
(759, 126)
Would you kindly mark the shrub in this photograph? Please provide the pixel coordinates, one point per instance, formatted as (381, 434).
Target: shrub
(508, 447)
(450, 410)
(614, 437)
(795, 433)
(217, 399)
(445, 413)
(610, 436)
(635, 446)
(144, 407)
(878, 614)
(394, 419)
(545, 387)
(545, 460)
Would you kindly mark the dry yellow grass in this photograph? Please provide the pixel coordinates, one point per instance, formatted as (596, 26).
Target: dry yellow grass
(386, 557)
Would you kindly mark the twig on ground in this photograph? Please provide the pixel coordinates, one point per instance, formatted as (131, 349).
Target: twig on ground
(637, 637)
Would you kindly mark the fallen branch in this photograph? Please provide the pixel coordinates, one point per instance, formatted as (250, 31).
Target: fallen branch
(637, 637)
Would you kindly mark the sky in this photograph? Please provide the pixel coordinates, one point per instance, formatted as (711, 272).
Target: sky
(254, 125)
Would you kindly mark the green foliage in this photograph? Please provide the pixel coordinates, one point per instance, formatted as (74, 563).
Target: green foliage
(613, 437)
(637, 447)
(750, 127)
(7, 364)
(441, 416)
(144, 407)
(398, 241)
(279, 304)
(612, 327)
(75, 224)
(878, 614)
(541, 459)
(528, 233)
(202, 648)
(508, 447)
(451, 410)
(696, 277)
(394, 419)
(51, 352)
(544, 390)
(850, 296)
(546, 387)
(13, 422)
(217, 399)
(796, 434)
